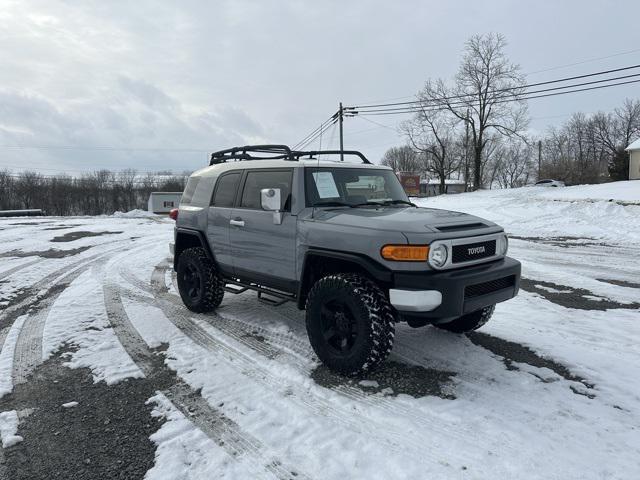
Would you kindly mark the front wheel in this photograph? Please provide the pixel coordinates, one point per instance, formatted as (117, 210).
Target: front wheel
(350, 323)
(199, 283)
(470, 321)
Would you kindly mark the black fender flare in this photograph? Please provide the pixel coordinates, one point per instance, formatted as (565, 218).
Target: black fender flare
(374, 269)
(192, 233)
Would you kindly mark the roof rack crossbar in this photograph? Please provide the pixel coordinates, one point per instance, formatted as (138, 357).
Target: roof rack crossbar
(278, 152)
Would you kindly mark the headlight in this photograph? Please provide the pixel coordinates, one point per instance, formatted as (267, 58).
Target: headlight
(438, 255)
(502, 245)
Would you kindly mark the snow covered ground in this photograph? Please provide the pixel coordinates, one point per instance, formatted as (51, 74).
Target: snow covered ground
(547, 389)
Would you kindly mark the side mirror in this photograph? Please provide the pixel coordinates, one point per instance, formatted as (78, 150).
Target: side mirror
(270, 200)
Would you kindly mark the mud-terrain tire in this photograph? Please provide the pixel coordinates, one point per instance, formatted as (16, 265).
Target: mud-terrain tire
(199, 283)
(470, 321)
(350, 323)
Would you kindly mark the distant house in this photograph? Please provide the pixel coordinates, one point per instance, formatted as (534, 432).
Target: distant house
(431, 187)
(634, 160)
(163, 202)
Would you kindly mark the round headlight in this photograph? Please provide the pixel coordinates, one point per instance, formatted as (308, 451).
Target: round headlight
(438, 255)
(502, 245)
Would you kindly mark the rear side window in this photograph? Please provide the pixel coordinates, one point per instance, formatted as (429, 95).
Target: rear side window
(226, 188)
(189, 190)
(259, 179)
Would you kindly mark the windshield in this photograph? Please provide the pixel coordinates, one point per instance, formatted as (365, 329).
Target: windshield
(352, 187)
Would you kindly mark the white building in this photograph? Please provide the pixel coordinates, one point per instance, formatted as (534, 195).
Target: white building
(432, 187)
(163, 202)
(634, 160)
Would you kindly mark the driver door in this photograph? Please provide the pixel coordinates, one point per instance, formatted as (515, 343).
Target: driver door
(263, 251)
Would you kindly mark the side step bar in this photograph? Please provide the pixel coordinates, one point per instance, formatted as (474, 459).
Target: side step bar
(273, 298)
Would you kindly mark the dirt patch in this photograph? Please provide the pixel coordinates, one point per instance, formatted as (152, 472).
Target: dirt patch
(392, 378)
(72, 236)
(51, 253)
(619, 283)
(571, 297)
(105, 436)
(563, 241)
(33, 307)
(513, 353)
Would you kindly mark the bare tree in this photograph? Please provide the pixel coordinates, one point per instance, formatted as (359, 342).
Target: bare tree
(432, 134)
(487, 95)
(401, 159)
(515, 165)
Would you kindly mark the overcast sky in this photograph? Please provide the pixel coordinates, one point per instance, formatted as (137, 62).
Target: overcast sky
(87, 78)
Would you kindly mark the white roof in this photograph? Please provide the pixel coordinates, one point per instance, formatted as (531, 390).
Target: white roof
(634, 145)
(215, 170)
(448, 181)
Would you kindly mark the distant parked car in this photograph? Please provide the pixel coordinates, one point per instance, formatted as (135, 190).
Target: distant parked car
(549, 183)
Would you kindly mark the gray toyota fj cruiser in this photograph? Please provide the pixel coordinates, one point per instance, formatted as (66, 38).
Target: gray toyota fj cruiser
(343, 241)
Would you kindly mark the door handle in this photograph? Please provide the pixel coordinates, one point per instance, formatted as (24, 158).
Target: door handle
(236, 222)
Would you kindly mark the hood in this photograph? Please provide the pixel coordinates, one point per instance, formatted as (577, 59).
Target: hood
(406, 220)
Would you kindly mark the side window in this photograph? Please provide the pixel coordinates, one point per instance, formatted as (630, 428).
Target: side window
(259, 179)
(192, 183)
(226, 188)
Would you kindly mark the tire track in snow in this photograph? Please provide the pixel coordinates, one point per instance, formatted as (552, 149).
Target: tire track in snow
(17, 268)
(28, 348)
(34, 293)
(217, 426)
(397, 439)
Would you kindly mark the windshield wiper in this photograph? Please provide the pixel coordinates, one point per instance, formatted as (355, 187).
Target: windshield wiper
(398, 202)
(385, 203)
(332, 203)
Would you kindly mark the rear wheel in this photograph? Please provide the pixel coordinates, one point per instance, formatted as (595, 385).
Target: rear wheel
(350, 323)
(470, 321)
(199, 283)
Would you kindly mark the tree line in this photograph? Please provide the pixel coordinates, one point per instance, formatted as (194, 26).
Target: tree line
(96, 193)
(475, 128)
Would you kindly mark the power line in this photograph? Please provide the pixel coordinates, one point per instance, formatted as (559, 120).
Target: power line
(417, 109)
(314, 136)
(434, 102)
(557, 67)
(320, 128)
(520, 87)
(585, 61)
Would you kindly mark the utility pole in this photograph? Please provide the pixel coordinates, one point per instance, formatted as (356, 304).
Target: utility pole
(466, 153)
(539, 157)
(341, 134)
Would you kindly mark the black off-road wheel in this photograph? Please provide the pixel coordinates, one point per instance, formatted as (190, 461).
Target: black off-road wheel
(350, 323)
(199, 283)
(469, 322)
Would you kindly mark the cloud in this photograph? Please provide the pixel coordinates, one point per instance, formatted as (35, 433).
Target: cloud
(208, 75)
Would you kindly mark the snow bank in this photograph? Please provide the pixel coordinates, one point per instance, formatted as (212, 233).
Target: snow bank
(628, 191)
(137, 213)
(548, 212)
(9, 428)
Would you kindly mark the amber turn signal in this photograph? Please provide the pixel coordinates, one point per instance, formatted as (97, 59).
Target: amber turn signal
(405, 253)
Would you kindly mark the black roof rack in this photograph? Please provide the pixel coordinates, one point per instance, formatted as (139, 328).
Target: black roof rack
(274, 152)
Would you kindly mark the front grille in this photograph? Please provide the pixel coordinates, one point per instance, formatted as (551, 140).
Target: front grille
(473, 251)
(479, 289)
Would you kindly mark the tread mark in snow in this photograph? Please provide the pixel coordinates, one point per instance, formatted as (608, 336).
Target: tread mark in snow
(28, 349)
(396, 439)
(17, 268)
(221, 429)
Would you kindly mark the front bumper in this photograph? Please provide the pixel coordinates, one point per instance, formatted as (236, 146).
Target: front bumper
(463, 290)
